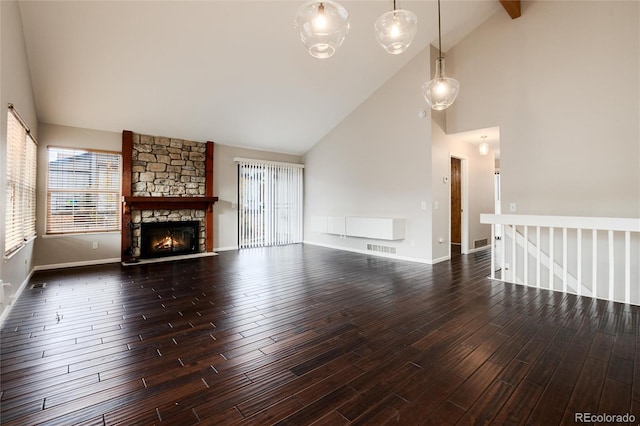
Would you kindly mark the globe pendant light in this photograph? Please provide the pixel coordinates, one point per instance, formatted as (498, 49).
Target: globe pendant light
(442, 91)
(395, 29)
(323, 26)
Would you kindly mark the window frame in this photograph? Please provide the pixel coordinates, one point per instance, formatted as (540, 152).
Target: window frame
(57, 229)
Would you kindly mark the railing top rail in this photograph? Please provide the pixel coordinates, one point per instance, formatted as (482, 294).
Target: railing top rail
(572, 222)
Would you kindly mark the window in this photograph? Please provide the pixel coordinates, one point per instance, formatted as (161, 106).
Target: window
(83, 191)
(20, 218)
(270, 203)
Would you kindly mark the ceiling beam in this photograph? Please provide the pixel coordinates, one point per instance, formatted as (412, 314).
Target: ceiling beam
(512, 7)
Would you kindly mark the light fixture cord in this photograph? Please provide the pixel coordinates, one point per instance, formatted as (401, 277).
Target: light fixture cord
(439, 34)
(394, 4)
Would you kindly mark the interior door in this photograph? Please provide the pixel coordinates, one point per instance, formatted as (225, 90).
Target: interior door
(456, 201)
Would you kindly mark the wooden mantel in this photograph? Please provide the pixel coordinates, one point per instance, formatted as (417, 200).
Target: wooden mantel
(130, 202)
(170, 203)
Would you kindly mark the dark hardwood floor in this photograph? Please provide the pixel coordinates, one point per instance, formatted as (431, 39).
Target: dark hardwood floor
(300, 334)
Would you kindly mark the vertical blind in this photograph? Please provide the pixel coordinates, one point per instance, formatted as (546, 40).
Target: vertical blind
(269, 203)
(20, 218)
(83, 191)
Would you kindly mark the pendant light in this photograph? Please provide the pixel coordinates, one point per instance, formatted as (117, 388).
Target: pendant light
(323, 26)
(484, 146)
(442, 91)
(395, 29)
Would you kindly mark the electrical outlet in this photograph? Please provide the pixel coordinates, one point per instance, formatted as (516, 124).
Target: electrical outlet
(512, 207)
(95, 245)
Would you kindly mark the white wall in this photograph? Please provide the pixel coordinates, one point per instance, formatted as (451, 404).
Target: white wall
(71, 249)
(225, 187)
(377, 163)
(562, 84)
(15, 88)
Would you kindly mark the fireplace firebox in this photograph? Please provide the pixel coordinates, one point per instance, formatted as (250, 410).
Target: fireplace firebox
(160, 239)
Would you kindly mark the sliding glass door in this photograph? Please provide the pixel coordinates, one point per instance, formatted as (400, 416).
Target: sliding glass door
(269, 203)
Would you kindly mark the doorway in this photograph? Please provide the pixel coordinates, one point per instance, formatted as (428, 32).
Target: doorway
(269, 203)
(458, 202)
(456, 206)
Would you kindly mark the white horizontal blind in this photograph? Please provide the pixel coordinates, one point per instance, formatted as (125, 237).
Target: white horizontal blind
(20, 219)
(83, 191)
(270, 203)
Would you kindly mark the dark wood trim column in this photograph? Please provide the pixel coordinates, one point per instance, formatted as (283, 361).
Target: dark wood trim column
(127, 154)
(209, 193)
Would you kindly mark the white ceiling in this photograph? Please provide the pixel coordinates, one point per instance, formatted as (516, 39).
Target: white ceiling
(233, 72)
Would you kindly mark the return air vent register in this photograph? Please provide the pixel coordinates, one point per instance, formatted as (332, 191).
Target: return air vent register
(480, 243)
(381, 249)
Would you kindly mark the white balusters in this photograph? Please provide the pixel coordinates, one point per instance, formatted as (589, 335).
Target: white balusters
(526, 256)
(594, 262)
(493, 251)
(502, 252)
(565, 272)
(579, 259)
(627, 267)
(538, 250)
(551, 260)
(611, 265)
(572, 265)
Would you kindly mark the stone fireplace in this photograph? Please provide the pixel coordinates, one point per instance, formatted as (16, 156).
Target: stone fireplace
(166, 181)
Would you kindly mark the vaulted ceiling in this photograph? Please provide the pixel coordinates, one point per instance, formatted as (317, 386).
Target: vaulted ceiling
(233, 72)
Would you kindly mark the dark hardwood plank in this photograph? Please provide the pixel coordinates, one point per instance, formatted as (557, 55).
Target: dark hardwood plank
(471, 390)
(552, 406)
(588, 388)
(520, 404)
(616, 398)
(486, 408)
(308, 335)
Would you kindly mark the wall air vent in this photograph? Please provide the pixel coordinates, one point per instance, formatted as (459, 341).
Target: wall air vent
(381, 249)
(480, 243)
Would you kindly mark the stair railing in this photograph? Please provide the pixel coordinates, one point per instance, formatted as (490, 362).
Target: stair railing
(591, 256)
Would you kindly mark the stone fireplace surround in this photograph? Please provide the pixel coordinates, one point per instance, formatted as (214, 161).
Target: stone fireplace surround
(171, 238)
(165, 180)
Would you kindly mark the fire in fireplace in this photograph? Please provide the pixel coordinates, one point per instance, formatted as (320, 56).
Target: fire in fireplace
(159, 239)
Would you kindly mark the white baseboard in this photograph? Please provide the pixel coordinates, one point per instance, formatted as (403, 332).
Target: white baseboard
(373, 253)
(226, 248)
(7, 309)
(487, 247)
(440, 259)
(75, 264)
